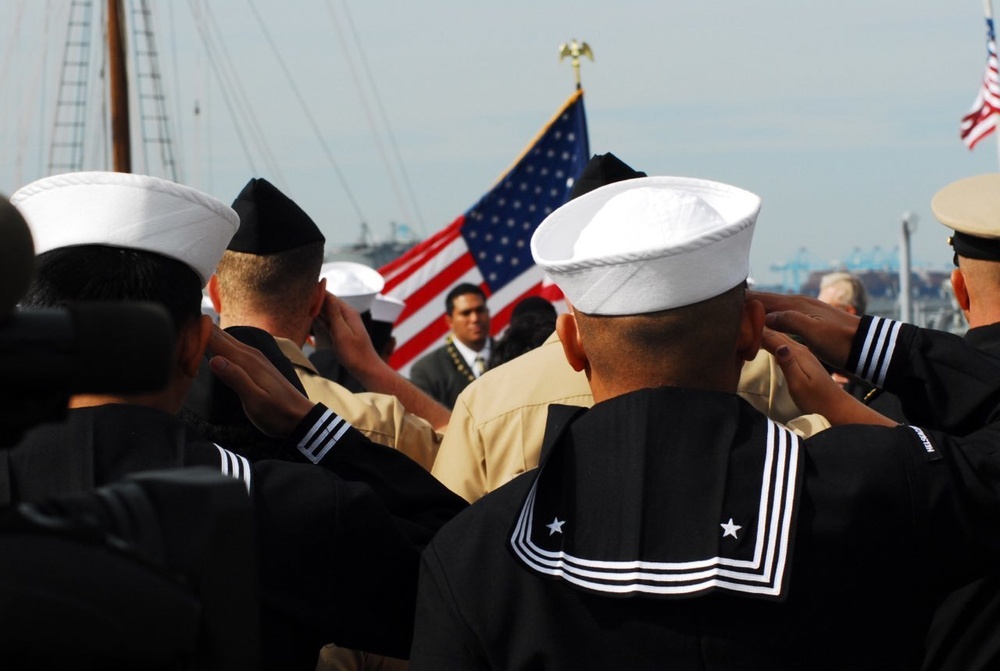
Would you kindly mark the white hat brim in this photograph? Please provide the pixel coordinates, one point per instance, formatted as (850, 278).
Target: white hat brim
(131, 211)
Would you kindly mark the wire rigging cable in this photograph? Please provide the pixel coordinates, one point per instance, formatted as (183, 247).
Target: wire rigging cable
(368, 115)
(305, 108)
(206, 42)
(385, 120)
(229, 86)
(248, 108)
(179, 126)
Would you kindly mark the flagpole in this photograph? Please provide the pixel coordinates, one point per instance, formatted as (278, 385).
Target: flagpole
(988, 11)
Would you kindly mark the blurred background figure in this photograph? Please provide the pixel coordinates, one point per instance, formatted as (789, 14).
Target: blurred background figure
(846, 291)
(446, 371)
(385, 311)
(532, 320)
(356, 284)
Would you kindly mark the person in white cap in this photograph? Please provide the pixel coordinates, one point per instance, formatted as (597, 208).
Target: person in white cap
(672, 525)
(498, 421)
(121, 237)
(269, 278)
(965, 635)
(356, 284)
(385, 312)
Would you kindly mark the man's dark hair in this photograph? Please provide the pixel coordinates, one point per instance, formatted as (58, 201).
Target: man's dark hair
(461, 290)
(102, 273)
(526, 331)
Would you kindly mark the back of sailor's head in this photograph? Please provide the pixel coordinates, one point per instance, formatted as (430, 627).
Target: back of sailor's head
(273, 262)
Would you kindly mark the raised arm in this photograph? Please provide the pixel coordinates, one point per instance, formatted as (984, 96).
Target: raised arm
(356, 353)
(812, 388)
(946, 382)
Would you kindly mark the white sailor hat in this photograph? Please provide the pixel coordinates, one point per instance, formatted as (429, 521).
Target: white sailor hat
(125, 210)
(386, 308)
(354, 283)
(648, 244)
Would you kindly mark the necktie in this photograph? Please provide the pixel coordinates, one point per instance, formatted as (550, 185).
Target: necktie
(479, 365)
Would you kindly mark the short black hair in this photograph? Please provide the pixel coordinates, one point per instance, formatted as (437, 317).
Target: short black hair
(526, 331)
(102, 273)
(461, 290)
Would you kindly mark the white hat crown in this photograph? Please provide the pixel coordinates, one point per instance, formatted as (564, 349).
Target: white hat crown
(126, 210)
(648, 244)
(354, 283)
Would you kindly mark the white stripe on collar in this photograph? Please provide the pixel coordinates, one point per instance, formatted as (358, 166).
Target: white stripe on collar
(763, 574)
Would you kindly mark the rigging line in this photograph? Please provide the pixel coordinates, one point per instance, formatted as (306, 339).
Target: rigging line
(103, 129)
(312, 121)
(178, 127)
(385, 120)
(368, 115)
(202, 33)
(256, 128)
(162, 121)
(15, 29)
(237, 111)
(25, 99)
(137, 117)
(45, 72)
(234, 89)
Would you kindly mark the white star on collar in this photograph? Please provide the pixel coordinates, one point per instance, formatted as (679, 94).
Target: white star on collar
(729, 529)
(556, 526)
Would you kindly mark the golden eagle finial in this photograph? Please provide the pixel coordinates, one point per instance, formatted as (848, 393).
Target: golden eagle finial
(574, 50)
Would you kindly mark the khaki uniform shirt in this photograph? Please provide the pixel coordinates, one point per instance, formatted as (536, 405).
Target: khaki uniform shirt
(496, 427)
(380, 417)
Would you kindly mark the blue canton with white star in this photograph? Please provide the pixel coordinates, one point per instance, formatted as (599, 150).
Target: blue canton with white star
(498, 228)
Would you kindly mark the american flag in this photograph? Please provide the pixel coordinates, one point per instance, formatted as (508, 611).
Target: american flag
(981, 119)
(489, 244)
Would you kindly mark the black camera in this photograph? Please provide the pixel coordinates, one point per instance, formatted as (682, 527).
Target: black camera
(155, 572)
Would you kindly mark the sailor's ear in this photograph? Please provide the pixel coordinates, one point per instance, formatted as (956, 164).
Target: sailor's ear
(192, 340)
(318, 298)
(569, 336)
(751, 330)
(213, 293)
(960, 288)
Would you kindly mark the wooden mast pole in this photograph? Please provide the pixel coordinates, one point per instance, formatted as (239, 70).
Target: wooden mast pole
(121, 145)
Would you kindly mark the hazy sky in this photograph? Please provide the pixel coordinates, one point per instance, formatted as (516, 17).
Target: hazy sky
(841, 115)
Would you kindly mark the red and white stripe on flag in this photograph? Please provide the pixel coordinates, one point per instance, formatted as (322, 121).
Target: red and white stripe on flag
(489, 245)
(425, 280)
(981, 119)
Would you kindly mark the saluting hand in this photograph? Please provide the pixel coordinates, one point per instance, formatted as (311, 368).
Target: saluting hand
(269, 400)
(811, 386)
(827, 331)
(349, 337)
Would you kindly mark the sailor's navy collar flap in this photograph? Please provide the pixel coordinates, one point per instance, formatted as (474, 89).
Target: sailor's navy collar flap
(558, 420)
(668, 493)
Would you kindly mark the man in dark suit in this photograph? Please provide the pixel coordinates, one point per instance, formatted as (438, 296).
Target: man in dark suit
(446, 371)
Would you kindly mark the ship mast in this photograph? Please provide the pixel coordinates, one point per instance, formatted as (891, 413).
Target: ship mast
(120, 140)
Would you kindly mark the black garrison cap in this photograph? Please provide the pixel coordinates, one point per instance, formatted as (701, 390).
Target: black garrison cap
(601, 170)
(270, 221)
